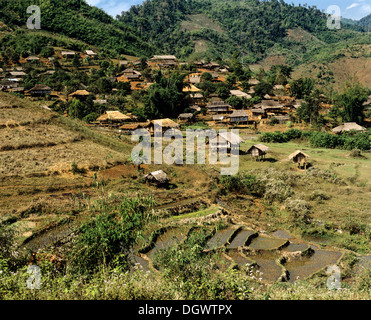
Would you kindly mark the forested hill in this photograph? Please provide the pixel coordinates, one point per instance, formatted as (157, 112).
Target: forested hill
(365, 22)
(74, 19)
(220, 27)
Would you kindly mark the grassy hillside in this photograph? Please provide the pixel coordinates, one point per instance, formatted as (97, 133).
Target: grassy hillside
(77, 20)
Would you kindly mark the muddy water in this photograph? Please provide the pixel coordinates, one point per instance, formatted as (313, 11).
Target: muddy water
(50, 237)
(220, 238)
(241, 238)
(293, 247)
(305, 266)
(267, 265)
(170, 238)
(266, 243)
(240, 260)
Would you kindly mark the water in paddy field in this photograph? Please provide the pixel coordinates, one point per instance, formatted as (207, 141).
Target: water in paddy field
(241, 238)
(305, 266)
(220, 238)
(266, 243)
(170, 238)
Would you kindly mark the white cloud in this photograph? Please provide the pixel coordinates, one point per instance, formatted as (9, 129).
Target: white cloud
(353, 5)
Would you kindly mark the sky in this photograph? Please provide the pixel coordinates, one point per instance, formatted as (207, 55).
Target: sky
(352, 9)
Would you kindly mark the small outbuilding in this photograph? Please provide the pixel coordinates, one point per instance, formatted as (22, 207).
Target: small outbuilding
(158, 178)
(349, 126)
(258, 151)
(300, 158)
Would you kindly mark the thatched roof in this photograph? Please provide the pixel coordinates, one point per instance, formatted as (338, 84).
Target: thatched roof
(159, 177)
(261, 147)
(195, 108)
(163, 57)
(30, 58)
(113, 115)
(17, 73)
(134, 126)
(40, 87)
(278, 87)
(165, 123)
(79, 93)
(90, 52)
(67, 53)
(185, 116)
(261, 111)
(253, 81)
(294, 154)
(240, 94)
(191, 88)
(238, 114)
(231, 137)
(218, 118)
(348, 126)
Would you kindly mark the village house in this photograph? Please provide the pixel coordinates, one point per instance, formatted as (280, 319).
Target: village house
(17, 75)
(258, 151)
(39, 90)
(131, 74)
(163, 124)
(187, 117)
(349, 126)
(68, 54)
(79, 94)
(238, 116)
(164, 61)
(158, 178)
(299, 158)
(271, 106)
(226, 140)
(90, 53)
(130, 127)
(282, 119)
(7, 84)
(32, 58)
(112, 118)
(218, 107)
(240, 94)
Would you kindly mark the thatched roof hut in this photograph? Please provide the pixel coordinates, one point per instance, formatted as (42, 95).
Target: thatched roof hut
(258, 151)
(240, 94)
(186, 116)
(79, 94)
(348, 126)
(238, 116)
(158, 177)
(113, 116)
(300, 158)
(39, 90)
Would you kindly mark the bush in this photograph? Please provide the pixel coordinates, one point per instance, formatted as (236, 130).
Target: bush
(106, 240)
(300, 210)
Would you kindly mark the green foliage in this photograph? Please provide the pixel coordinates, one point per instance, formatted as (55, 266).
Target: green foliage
(188, 267)
(106, 239)
(243, 183)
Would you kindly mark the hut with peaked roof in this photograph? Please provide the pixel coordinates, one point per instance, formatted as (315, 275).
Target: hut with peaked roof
(218, 107)
(79, 94)
(188, 117)
(240, 94)
(349, 126)
(226, 140)
(164, 124)
(112, 117)
(129, 127)
(39, 90)
(238, 116)
(258, 151)
(158, 178)
(300, 158)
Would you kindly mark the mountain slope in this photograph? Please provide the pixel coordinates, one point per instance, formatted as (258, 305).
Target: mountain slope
(76, 19)
(250, 27)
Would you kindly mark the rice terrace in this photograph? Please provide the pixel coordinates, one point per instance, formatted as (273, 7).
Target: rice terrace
(98, 221)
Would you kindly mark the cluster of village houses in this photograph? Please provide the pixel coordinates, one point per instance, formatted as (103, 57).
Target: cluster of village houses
(218, 111)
